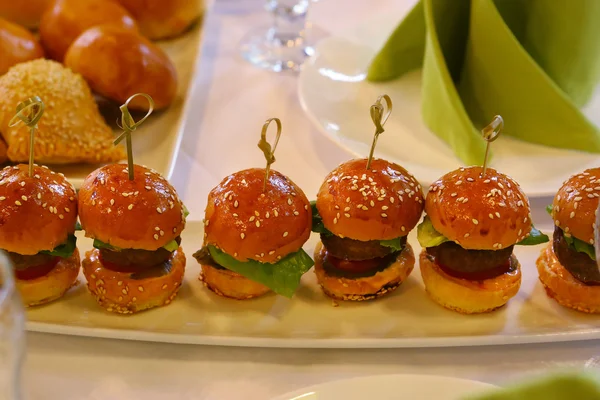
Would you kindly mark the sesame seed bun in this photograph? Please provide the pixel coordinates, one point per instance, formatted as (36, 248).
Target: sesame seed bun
(251, 224)
(575, 204)
(37, 213)
(467, 296)
(563, 287)
(226, 283)
(382, 203)
(51, 286)
(144, 213)
(365, 288)
(117, 292)
(488, 212)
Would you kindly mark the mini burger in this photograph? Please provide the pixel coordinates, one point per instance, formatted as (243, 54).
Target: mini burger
(363, 217)
(473, 222)
(568, 267)
(254, 233)
(137, 262)
(38, 217)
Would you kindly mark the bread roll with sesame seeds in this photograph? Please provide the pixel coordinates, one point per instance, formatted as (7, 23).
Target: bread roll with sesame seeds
(118, 63)
(37, 213)
(64, 20)
(248, 223)
(24, 13)
(384, 202)
(121, 293)
(17, 45)
(71, 129)
(479, 212)
(575, 204)
(143, 213)
(469, 296)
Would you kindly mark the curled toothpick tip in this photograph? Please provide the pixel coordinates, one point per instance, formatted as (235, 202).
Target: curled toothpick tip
(128, 125)
(490, 133)
(29, 112)
(267, 149)
(379, 115)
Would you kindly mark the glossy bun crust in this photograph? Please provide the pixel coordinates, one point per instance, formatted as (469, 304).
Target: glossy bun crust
(563, 287)
(574, 206)
(488, 212)
(25, 13)
(248, 223)
(366, 288)
(37, 213)
(145, 213)
(117, 292)
(51, 286)
(467, 296)
(382, 203)
(17, 45)
(230, 284)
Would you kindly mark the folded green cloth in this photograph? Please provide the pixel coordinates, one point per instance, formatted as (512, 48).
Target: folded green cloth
(557, 387)
(531, 61)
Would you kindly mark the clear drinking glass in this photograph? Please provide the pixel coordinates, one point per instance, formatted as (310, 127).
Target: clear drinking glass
(12, 340)
(283, 45)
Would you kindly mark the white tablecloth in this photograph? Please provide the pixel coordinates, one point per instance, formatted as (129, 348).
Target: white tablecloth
(221, 138)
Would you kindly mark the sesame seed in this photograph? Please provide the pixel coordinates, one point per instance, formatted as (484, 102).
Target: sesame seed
(242, 235)
(130, 207)
(158, 210)
(93, 202)
(575, 205)
(591, 241)
(347, 199)
(24, 198)
(384, 215)
(18, 202)
(251, 219)
(458, 183)
(112, 202)
(572, 214)
(591, 196)
(454, 194)
(578, 198)
(475, 221)
(487, 181)
(497, 214)
(384, 208)
(465, 200)
(120, 283)
(296, 213)
(267, 215)
(470, 179)
(347, 215)
(403, 229)
(391, 200)
(112, 189)
(258, 224)
(140, 288)
(155, 236)
(125, 194)
(39, 196)
(22, 184)
(2, 198)
(466, 235)
(491, 215)
(289, 202)
(61, 216)
(156, 228)
(285, 234)
(524, 219)
(335, 221)
(162, 233)
(236, 204)
(174, 230)
(276, 213)
(124, 291)
(147, 187)
(365, 208)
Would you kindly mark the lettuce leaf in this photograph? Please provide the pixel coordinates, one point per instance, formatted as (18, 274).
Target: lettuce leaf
(171, 246)
(394, 244)
(283, 277)
(64, 250)
(549, 209)
(317, 221)
(185, 211)
(428, 236)
(535, 237)
(580, 246)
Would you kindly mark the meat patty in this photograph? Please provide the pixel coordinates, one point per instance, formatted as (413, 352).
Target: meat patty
(355, 250)
(137, 257)
(21, 262)
(580, 265)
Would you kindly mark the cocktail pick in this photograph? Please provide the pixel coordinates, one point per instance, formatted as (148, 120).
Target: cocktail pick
(267, 149)
(379, 115)
(491, 133)
(129, 125)
(29, 112)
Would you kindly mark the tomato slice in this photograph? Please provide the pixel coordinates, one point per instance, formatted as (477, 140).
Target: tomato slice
(36, 271)
(354, 266)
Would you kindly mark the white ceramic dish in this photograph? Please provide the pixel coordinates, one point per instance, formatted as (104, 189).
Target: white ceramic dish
(406, 318)
(391, 387)
(156, 142)
(335, 96)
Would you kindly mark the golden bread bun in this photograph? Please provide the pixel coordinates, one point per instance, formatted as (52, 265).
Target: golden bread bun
(381, 203)
(575, 204)
(367, 288)
(563, 287)
(38, 213)
(117, 292)
(230, 284)
(51, 286)
(144, 213)
(71, 129)
(488, 212)
(466, 296)
(17, 45)
(26, 13)
(65, 20)
(3, 151)
(248, 223)
(159, 19)
(118, 63)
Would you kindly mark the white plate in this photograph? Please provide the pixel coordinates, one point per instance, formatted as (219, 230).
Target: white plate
(405, 318)
(336, 97)
(391, 387)
(156, 142)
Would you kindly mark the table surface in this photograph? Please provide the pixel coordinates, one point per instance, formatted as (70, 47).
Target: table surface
(221, 138)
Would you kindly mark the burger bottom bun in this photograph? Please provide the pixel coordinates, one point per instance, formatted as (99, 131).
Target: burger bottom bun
(230, 284)
(367, 288)
(466, 296)
(117, 292)
(51, 286)
(563, 287)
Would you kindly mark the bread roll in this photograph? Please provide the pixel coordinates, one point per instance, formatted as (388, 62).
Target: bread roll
(23, 12)
(65, 20)
(118, 63)
(160, 19)
(17, 45)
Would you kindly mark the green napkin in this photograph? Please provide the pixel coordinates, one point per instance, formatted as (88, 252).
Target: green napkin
(558, 387)
(531, 61)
